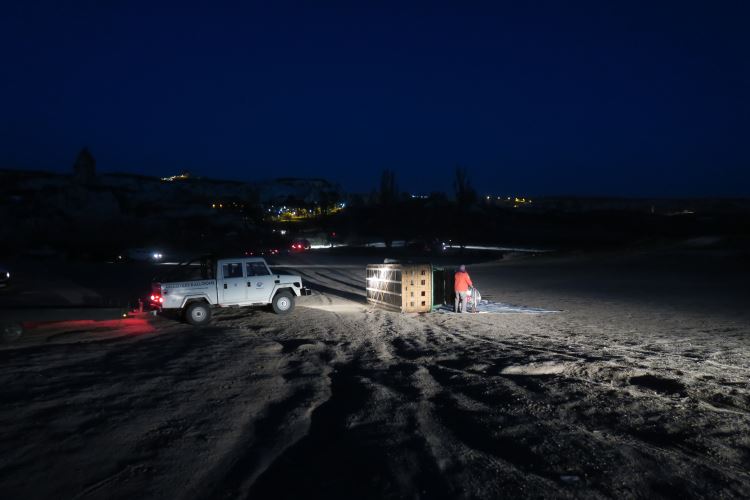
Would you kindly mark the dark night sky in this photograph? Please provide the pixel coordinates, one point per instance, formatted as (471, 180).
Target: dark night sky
(617, 98)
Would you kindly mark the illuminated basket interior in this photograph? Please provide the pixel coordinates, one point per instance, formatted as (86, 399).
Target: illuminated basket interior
(400, 287)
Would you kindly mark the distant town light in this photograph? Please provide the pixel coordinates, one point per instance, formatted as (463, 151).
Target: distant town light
(179, 177)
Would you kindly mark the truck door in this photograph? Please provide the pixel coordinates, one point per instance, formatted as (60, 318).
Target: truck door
(233, 283)
(259, 282)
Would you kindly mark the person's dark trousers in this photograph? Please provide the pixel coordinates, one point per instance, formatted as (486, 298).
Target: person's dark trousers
(460, 303)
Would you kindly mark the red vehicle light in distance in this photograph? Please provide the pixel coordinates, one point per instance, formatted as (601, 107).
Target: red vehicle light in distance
(156, 298)
(300, 245)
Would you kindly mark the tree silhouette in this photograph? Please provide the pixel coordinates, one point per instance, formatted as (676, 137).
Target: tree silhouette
(388, 191)
(465, 197)
(84, 168)
(387, 200)
(465, 194)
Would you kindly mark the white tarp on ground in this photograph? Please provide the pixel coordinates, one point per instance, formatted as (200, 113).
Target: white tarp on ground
(487, 306)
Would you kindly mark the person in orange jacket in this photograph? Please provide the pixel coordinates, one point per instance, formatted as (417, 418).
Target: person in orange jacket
(461, 284)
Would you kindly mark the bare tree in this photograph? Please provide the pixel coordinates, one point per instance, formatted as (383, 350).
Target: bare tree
(388, 197)
(465, 194)
(465, 197)
(388, 190)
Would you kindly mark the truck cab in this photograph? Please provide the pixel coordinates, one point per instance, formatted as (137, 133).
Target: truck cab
(246, 281)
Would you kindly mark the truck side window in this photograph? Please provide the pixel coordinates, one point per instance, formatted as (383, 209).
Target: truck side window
(257, 269)
(207, 268)
(232, 270)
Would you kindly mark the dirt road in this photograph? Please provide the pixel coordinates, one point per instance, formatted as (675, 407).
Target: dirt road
(609, 398)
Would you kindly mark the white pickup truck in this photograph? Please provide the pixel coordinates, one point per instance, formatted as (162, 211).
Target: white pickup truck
(237, 282)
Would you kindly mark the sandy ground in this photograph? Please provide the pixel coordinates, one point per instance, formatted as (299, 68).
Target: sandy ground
(638, 388)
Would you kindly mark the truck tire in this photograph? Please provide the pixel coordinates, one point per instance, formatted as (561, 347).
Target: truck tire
(10, 332)
(198, 313)
(283, 303)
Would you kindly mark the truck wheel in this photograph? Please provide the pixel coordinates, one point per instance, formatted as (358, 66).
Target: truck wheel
(10, 332)
(283, 303)
(198, 313)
